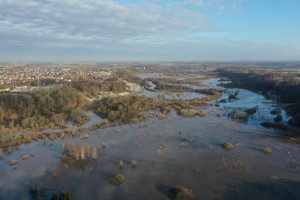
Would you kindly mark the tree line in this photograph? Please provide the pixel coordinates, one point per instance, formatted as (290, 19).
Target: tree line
(284, 86)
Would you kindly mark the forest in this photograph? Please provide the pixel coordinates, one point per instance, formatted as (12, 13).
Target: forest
(53, 107)
(128, 109)
(41, 109)
(283, 87)
(93, 87)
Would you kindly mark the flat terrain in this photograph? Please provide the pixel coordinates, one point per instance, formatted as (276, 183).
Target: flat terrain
(164, 150)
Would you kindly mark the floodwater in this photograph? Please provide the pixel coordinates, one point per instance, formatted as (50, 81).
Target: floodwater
(166, 157)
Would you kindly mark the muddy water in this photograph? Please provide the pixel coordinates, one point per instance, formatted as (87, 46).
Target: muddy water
(193, 159)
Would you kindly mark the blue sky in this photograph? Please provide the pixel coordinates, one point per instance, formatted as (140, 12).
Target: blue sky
(149, 30)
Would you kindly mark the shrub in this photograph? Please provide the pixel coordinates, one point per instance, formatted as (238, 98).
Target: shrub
(278, 118)
(181, 193)
(62, 196)
(267, 150)
(13, 162)
(227, 145)
(116, 179)
(84, 137)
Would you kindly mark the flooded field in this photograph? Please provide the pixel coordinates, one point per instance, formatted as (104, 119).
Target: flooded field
(159, 154)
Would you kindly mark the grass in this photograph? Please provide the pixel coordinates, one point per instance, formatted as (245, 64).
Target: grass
(116, 179)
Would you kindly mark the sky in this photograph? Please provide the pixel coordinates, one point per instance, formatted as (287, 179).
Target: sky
(149, 30)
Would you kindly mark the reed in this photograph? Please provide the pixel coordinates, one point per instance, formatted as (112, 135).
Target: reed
(79, 152)
(121, 164)
(133, 163)
(63, 147)
(82, 152)
(94, 153)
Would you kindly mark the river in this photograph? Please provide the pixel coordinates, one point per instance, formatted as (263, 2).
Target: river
(169, 152)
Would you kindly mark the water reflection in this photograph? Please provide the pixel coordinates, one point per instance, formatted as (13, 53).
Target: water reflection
(201, 164)
(264, 189)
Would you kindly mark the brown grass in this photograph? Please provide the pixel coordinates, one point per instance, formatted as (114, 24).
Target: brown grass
(162, 117)
(84, 137)
(13, 162)
(25, 157)
(202, 114)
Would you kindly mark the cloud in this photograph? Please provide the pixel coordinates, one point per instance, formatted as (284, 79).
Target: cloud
(97, 23)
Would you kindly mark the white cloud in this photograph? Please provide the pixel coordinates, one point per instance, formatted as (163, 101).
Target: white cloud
(90, 22)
